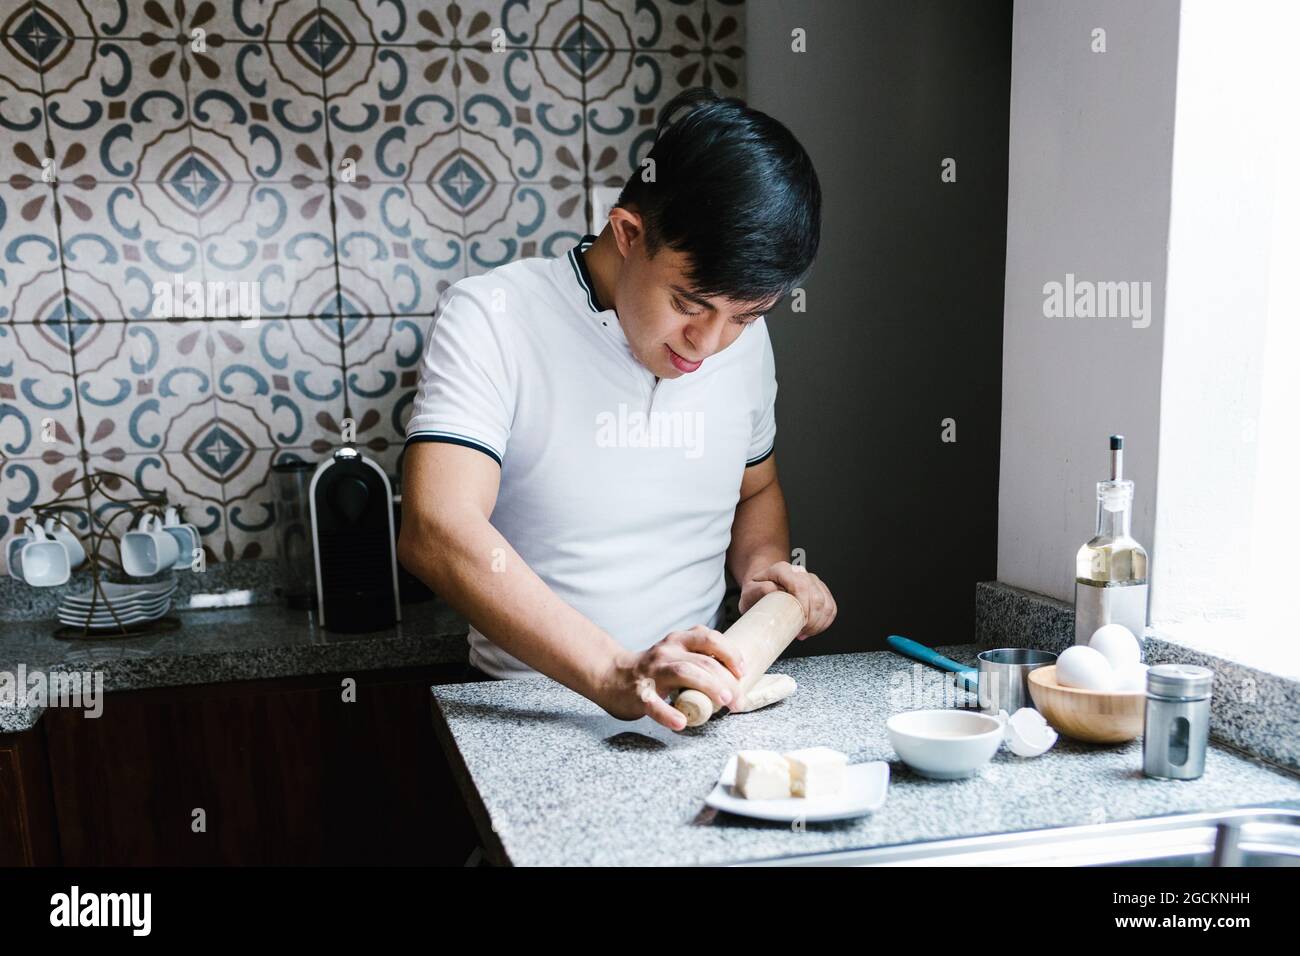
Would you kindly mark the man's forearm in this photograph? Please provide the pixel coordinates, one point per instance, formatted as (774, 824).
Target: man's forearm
(474, 569)
(760, 534)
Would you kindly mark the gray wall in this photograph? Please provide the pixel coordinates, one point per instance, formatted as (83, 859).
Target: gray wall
(904, 320)
(1090, 159)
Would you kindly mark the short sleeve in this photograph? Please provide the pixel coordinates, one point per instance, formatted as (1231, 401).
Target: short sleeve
(763, 441)
(466, 394)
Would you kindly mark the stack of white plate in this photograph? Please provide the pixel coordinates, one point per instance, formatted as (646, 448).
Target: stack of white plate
(132, 603)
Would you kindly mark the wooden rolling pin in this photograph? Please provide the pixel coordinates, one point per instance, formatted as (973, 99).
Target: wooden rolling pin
(761, 634)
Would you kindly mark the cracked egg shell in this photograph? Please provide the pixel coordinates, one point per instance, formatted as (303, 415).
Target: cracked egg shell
(1028, 734)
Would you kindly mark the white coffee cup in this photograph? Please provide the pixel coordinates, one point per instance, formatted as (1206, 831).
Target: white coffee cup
(148, 549)
(41, 561)
(187, 538)
(61, 534)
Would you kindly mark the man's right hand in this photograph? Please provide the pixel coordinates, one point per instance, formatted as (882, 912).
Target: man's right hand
(637, 681)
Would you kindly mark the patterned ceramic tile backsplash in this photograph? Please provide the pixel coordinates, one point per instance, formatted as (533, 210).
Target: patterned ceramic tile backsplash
(337, 163)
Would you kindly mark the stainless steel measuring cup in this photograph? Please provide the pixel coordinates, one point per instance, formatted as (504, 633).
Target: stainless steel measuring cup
(1004, 677)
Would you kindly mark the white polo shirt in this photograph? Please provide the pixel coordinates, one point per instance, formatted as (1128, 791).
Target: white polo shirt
(618, 489)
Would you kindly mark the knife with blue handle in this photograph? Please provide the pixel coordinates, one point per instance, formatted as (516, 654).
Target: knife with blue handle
(965, 676)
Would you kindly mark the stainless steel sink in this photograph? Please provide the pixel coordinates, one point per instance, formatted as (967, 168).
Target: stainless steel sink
(1245, 836)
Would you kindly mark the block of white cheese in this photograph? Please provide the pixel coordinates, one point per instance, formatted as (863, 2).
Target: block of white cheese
(816, 771)
(762, 775)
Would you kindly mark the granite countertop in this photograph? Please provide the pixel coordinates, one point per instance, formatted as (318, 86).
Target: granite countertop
(554, 780)
(210, 646)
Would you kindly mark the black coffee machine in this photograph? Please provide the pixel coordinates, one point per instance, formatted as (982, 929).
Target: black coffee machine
(355, 544)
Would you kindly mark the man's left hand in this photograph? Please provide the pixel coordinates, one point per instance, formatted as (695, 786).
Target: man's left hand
(818, 606)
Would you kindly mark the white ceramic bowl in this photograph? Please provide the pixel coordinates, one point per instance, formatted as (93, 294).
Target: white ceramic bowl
(944, 744)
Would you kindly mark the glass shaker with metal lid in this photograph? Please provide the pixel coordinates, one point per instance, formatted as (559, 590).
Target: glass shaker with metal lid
(1177, 726)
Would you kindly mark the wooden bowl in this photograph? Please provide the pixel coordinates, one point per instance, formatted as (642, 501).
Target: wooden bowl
(1095, 716)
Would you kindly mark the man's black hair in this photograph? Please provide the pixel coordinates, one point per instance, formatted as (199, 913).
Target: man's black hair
(735, 192)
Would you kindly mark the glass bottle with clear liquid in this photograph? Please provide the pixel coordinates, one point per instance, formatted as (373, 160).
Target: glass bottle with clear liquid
(1110, 583)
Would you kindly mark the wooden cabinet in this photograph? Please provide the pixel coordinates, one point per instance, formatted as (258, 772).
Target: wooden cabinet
(28, 835)
(283, 772)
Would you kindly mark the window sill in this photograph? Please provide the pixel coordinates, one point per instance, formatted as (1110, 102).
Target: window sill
(1259, 647)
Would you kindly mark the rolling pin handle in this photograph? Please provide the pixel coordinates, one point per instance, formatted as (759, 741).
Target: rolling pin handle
(695, 705)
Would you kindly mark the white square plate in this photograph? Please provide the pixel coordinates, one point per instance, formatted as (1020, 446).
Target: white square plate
(865, 788)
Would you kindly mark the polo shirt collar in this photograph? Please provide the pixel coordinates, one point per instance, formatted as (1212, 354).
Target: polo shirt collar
(604, 319)
(579, 264)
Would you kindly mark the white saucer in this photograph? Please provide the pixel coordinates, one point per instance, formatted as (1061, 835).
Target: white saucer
(121, 595)
(865, 788)
(124, 605)
(105, 619)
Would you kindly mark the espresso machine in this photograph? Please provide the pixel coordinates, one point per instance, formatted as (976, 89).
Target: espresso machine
(355, 544)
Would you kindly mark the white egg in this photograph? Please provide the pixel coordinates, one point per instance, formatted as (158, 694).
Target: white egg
(1083, 667)
(1117, 644)
(1131, 679)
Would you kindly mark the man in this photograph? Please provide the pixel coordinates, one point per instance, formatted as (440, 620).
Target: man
(592, 438)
